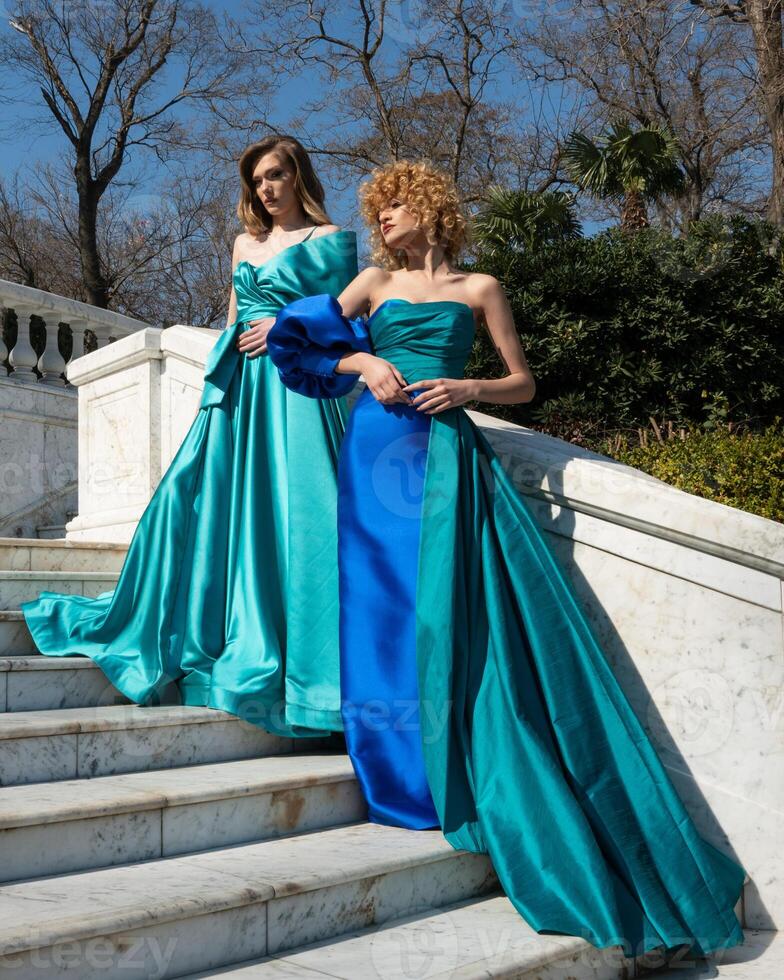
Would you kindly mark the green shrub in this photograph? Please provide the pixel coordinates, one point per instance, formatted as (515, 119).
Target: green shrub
(619, 327)
(742, 469)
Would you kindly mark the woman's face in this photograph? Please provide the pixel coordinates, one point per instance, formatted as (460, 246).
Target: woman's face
(273, 180)
(399, 227)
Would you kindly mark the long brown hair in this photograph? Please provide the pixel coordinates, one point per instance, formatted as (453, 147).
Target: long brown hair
(308, 188)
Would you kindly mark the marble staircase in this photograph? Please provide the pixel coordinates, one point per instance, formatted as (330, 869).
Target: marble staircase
(172, 841)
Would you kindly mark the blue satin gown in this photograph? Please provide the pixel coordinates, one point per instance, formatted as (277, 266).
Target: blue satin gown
(229, 588)
(475, 696)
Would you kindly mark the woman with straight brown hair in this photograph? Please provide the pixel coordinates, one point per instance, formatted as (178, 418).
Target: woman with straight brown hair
(229, 587)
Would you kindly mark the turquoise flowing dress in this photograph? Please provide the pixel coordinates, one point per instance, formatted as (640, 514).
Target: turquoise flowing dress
(229, 587)
(475, 696)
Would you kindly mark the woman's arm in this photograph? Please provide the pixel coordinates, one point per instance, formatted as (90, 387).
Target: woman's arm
(383, 378)
(519, 384)
(235, 258)
(252, 341)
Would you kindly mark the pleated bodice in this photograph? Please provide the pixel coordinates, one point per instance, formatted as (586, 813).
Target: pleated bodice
(321, 264)
(423, 340)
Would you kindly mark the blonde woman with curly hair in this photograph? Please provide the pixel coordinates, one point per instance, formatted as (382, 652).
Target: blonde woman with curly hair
(475, 696)
(226, 598)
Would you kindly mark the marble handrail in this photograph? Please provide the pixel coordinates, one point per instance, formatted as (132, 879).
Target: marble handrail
(53, 309)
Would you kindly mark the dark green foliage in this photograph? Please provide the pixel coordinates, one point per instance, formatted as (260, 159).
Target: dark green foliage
(522, 219)
(740, 469)
(618, 328)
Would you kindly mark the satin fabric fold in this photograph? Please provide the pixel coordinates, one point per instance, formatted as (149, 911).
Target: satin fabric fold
(542, 762)
(530, 749)
(229, 588)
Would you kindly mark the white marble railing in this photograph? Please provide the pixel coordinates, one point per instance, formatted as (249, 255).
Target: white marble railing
(53, 310)
(38, 408)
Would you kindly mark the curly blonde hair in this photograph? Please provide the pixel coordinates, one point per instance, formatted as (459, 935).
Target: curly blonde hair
(429, 193)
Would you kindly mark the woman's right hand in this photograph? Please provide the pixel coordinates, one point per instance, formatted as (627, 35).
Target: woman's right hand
(253, 341)
(384, 380)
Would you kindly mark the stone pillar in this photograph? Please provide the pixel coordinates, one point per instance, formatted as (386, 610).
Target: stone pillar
(23, 358)
(79, 335)
(137, 399)
(51, 363)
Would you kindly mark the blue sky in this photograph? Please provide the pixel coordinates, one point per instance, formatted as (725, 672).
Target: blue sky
(28, 132)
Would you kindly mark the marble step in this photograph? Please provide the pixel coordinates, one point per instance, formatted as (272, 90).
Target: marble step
(469, 940)
(37, 683)
(76, 743)
(761, 957)
(55, 828)
(49, 555)
(15, 638)
(17, 587)
(171, 916)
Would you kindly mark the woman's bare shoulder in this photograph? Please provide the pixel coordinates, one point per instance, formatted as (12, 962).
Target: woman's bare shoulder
(482, 285)
(326, 230)
(374, 277)
(484, 290)
(244, 243)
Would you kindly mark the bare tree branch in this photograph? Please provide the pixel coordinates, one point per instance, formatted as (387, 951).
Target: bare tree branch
(103, 72)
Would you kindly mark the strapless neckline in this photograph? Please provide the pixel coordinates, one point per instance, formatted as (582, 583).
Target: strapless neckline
(409, 302)
(310, 238)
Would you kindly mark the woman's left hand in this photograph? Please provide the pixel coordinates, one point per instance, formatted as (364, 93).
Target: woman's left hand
(253, 341)
(441, 393)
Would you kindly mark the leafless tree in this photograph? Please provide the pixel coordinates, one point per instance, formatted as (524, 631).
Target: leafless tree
(387, 88)
(763, 20)
(659, 63)
(116, 76)
(167, 254)
(189, 280)
(29, 244)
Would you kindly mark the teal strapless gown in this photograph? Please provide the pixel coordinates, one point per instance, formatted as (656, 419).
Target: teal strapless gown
(520, 742)
(229, 587)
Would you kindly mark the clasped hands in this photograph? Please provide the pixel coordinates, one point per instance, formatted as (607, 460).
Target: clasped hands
(253, 341)
(389, 387)
(386, 383)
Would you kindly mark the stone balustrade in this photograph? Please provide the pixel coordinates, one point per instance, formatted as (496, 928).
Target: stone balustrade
(38, 409)
(53, 310)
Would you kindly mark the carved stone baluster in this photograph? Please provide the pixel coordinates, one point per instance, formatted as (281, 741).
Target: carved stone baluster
(51, 363)
(101, 336)
(23, 358)
(78, 327)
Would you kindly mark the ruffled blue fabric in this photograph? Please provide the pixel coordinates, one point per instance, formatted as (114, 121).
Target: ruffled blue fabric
(309, 337)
